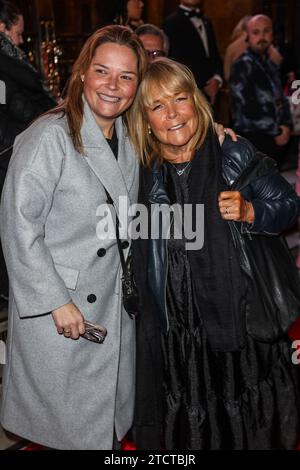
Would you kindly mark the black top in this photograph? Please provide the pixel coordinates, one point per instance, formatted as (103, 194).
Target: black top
(114, 143)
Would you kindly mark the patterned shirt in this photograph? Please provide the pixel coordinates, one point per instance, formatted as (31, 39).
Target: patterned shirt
(257, 100)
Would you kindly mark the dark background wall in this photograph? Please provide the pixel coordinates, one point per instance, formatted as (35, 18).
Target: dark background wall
(76, 19)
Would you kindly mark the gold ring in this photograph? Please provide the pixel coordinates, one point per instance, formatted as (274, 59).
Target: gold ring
(227, 210)
(65, 331)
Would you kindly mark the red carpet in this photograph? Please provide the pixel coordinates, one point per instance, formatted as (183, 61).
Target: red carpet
(294, 331)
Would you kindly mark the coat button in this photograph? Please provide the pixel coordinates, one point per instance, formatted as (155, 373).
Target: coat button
(101, 252)
(91, 298)
(125, 244)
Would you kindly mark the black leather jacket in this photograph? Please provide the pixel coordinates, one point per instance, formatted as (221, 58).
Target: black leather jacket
(276, 205)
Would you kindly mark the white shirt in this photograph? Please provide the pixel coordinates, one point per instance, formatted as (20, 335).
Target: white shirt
(199, 25)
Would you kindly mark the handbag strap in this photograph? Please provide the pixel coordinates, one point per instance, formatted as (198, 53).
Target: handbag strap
(121, 253)
(6, 150)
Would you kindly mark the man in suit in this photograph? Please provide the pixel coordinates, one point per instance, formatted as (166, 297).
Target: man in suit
(192, 42)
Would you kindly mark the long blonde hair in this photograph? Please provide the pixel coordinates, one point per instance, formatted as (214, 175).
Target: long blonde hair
(171, 78)
(73, 103)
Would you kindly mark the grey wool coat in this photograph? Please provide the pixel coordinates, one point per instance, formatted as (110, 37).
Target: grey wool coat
(62, 393)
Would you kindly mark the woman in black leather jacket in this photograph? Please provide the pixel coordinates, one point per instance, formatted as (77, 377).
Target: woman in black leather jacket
(23, 96)
(214, 368)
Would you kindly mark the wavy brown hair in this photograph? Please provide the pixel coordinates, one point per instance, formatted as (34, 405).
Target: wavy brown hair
(73, 103)
(171, 78)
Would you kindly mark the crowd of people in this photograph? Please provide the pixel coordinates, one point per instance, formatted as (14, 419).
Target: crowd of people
(197, 353)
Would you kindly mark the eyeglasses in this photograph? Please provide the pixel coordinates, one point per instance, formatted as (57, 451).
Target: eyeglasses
(156, 53)
(95, 333)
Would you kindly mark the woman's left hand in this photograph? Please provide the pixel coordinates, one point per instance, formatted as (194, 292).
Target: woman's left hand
(233, 206)
(221, 131)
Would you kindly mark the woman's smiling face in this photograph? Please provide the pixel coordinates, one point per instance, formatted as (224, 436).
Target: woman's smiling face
(172, 118)
(110, 83)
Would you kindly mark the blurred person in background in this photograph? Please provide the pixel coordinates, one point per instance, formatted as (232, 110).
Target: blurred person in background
(261, 112)
(193, 43)
(239, 44)
(154, 40)
(130, 13)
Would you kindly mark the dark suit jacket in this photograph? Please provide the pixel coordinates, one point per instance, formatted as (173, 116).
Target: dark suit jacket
(186, 46)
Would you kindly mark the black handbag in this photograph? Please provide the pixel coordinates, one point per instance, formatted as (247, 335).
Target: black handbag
(129, 289)
(274, 287)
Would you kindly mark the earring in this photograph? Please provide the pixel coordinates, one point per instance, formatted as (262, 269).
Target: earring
(82, 78)
(149, 130)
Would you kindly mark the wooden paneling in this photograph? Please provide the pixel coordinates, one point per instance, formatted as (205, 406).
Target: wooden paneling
(154, 10)
(225, 14)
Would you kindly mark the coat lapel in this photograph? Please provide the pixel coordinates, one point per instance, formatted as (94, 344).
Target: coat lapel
(117, 176)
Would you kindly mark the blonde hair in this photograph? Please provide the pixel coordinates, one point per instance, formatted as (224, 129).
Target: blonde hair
(73, 103)
(171, 78)
(241, 27)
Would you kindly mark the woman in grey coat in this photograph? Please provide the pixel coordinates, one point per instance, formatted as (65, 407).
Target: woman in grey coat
(59, 389)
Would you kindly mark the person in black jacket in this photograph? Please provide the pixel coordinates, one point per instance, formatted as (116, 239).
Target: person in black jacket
(193, 43)
(261, 111)
(23, 96)
(217, 285)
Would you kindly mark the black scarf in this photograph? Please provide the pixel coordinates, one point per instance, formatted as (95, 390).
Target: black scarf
(9, 48)
(220, 287)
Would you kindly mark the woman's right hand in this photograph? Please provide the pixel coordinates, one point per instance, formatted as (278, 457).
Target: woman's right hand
(69, 321)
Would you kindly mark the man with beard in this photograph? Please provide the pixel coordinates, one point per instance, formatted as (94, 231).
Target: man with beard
(260, 110)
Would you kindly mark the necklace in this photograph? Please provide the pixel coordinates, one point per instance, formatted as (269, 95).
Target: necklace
(178, 171)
